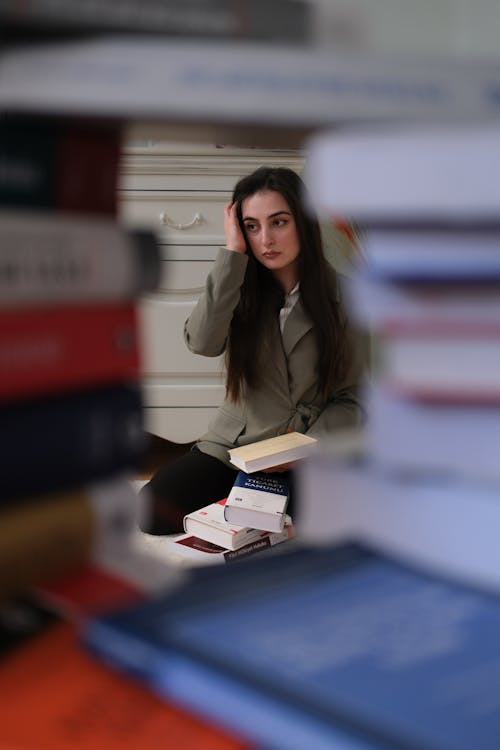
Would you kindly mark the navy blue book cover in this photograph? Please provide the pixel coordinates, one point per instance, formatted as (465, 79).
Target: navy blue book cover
(274, 482)
(344, 637)
(51, 443)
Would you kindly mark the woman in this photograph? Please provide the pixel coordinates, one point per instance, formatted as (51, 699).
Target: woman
(272, 303)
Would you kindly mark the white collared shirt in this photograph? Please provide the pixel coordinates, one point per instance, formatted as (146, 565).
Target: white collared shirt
(290, 301)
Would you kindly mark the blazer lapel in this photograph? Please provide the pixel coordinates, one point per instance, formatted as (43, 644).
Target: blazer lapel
(297, 325)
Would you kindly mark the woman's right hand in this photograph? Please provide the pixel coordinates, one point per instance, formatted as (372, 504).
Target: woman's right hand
(235, 239)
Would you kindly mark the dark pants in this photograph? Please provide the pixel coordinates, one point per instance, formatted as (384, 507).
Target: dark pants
(186, 484)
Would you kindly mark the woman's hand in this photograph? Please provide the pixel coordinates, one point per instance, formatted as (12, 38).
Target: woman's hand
(235, 239)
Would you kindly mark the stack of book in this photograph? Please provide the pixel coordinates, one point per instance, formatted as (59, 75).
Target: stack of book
(429, 290)
(70, 394)
(252, 518)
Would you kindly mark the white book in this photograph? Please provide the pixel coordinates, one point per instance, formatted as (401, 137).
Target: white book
(209, 523)
(145, 77)
(455, 440)
(264, 454)
(54, 259)
(449, 527)
(387, 305)
(188, 550)
(444, 364)
(406, 173)
(258, 500)
(467, 253)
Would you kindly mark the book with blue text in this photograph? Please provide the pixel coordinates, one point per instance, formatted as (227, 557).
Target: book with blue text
(258, 500)
(366, 652)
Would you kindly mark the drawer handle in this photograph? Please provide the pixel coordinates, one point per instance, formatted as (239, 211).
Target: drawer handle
(167, 221)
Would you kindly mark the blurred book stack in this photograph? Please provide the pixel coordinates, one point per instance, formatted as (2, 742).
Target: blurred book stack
(70, 395)
(428, 289)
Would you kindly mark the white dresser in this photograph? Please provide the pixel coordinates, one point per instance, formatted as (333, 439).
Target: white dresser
(180, 190)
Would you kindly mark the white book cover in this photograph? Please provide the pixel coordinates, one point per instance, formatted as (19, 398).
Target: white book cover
(209, 523)
(188, 550)
(449, 527)
(440, 439)
(146, 77)
(469, 253)
(406, 173)
(264, 454)
(387, 305)
(56, 259)
(444, 364)
(258, 500)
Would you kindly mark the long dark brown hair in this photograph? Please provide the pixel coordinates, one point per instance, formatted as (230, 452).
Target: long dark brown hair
(262, 296)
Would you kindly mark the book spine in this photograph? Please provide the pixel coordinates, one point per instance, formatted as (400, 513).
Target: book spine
(43, 350)
(218, 83)
(64, 166)
(49, 259)
(65, 440)
(268, 541)
(248, 19)
(54, 533)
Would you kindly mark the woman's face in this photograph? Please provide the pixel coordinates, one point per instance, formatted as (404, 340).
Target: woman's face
(272, 234)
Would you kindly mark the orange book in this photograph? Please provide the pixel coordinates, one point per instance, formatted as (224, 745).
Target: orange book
(56, 697)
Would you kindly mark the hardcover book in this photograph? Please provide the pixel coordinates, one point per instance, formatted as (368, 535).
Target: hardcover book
(219, 19)
(258, 500)
(60, 441)
(66, 164)
(54, 258)
(49, 535)
(58, 349)
(366, 652)
(455, 161)
(191, 550)
(206, 81)
(209, 524)
(55, 696)
(264, 454)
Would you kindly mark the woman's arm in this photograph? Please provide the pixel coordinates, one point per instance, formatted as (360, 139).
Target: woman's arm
(206, 330)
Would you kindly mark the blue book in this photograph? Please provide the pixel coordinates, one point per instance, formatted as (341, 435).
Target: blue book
(258, 500)
(337, 648)
(48, 444)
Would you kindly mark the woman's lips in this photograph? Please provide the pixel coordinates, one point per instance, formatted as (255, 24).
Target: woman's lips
(271, 254)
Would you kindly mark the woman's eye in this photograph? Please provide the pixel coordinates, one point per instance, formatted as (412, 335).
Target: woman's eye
(280, 222)
(250, 227)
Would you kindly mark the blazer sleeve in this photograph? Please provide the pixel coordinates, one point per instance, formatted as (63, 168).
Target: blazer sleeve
(206, 330)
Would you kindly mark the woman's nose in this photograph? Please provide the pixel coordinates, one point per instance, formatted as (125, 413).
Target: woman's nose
(267, 236)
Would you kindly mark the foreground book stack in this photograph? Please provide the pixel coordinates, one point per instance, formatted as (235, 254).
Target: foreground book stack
(70, 393)
(429, 289)
(339, 647)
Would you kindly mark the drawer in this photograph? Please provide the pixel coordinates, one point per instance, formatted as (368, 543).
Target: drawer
(181, 425)
(164, 351)
(185, 218)
(191, 391)
(184, 276)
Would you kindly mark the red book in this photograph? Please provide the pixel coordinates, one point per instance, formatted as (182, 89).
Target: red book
(55, 696)
(49, 349)
(60, 164)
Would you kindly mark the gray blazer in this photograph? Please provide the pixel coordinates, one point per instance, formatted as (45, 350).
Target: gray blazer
(288, 398)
